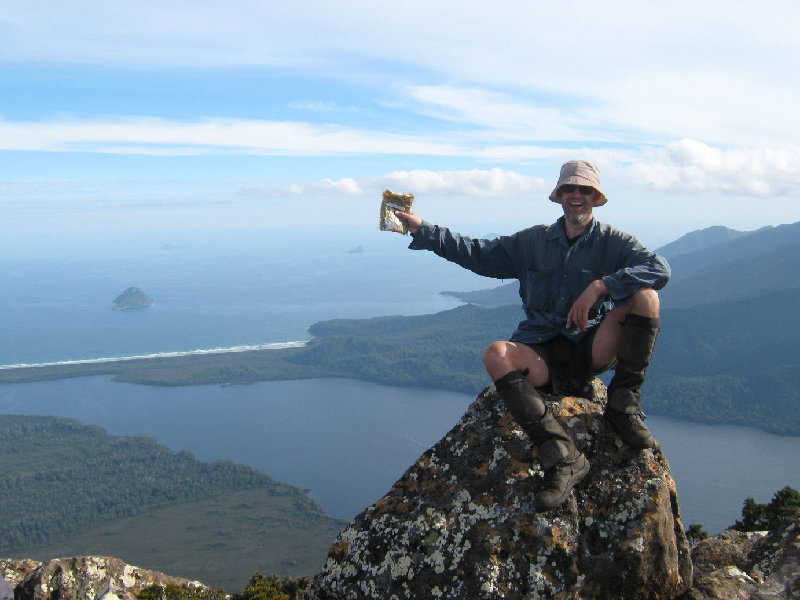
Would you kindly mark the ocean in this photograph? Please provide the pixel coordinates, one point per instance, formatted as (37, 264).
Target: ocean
(216, 290)
(347, 441)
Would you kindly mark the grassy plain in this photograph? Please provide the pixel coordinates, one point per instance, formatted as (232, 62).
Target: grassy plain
(221, 541)
(70, 489)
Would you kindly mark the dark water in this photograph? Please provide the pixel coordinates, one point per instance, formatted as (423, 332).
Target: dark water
(349, 441)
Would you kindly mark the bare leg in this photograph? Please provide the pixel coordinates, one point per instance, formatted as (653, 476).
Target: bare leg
(628, 334)
(645, 303)
(517, 370)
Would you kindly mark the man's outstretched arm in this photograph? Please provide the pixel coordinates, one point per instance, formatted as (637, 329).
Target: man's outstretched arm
(489, 258)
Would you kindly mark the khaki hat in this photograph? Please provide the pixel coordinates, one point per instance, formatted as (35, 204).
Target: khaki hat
(580, 172)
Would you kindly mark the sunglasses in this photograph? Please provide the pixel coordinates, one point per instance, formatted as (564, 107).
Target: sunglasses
(585, 190)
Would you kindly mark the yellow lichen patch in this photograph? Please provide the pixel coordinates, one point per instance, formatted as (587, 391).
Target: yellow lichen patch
(506, 421)
(424, 462)
(340, 550)
(519, 469)
(562, 539)
(390, 504)
(482, 470)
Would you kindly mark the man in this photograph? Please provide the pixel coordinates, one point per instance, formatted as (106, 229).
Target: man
(589, 294)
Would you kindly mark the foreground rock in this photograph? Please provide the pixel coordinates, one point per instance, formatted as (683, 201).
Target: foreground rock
(82, 578)
(759, 566)
(461, 522)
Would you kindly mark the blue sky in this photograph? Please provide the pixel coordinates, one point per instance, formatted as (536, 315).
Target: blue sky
(191, 115)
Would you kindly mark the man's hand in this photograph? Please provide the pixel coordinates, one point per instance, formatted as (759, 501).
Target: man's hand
(579, 313)
(411, 218)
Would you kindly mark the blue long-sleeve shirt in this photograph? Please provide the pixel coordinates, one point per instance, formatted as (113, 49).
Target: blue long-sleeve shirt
(552, 273)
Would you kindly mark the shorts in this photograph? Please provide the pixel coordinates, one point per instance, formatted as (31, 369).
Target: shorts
(570, 363)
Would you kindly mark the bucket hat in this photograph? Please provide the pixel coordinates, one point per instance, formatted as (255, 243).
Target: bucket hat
(580, 172)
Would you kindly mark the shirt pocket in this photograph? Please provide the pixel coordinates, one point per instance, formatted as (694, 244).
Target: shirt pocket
(538, 288)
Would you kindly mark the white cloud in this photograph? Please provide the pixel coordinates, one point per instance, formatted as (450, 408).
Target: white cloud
(326, 187)
(474, 182)
(613, 71)
(515, 118)
(692, 167)
(212, 136)
(313, 105)
(685, 166)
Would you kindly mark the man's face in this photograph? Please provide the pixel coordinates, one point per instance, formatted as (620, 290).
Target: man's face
(577, 202)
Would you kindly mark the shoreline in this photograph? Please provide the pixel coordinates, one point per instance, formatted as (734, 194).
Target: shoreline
(236, 364)
(157, 355)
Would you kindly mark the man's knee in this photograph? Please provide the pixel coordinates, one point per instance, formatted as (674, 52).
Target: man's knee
(501, 358)
(646, 303)
(495, 357)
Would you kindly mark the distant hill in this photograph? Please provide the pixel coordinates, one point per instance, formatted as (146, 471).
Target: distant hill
(768, 269)
(132, 497)
(757, 242)
(699, 240)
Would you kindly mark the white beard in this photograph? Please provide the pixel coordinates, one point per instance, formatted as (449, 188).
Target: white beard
(577, 219)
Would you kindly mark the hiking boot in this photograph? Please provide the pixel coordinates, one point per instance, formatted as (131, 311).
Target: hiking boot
(631, 428)
(559, 481)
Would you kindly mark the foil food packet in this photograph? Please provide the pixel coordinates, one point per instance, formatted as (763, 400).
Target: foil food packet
(392, 202)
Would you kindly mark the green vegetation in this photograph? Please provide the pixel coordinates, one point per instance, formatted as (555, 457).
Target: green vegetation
(765, 517)
(730, 362)
(237, 367)
(70, 489)
(272, 588)
(221, 541)
(173, 591)
(696, 533)
(258, 588)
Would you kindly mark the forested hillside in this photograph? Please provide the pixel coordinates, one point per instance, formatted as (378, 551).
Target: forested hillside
(60, 478)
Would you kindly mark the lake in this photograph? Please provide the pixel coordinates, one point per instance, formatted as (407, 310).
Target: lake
(348, 441)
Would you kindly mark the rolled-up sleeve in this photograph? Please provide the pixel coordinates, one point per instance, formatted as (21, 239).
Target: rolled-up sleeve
(640, 268)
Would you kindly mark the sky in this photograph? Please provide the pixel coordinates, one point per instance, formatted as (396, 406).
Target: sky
(196, 115)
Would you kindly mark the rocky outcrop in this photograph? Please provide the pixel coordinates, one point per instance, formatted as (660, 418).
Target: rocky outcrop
(82, 578)
(132, 298)
(758, 566)
(461, 522)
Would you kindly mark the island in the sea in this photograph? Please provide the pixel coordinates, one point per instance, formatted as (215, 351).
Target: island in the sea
(133, 297)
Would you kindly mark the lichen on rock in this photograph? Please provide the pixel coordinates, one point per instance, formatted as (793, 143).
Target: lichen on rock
(83, 578)
(461, 522)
